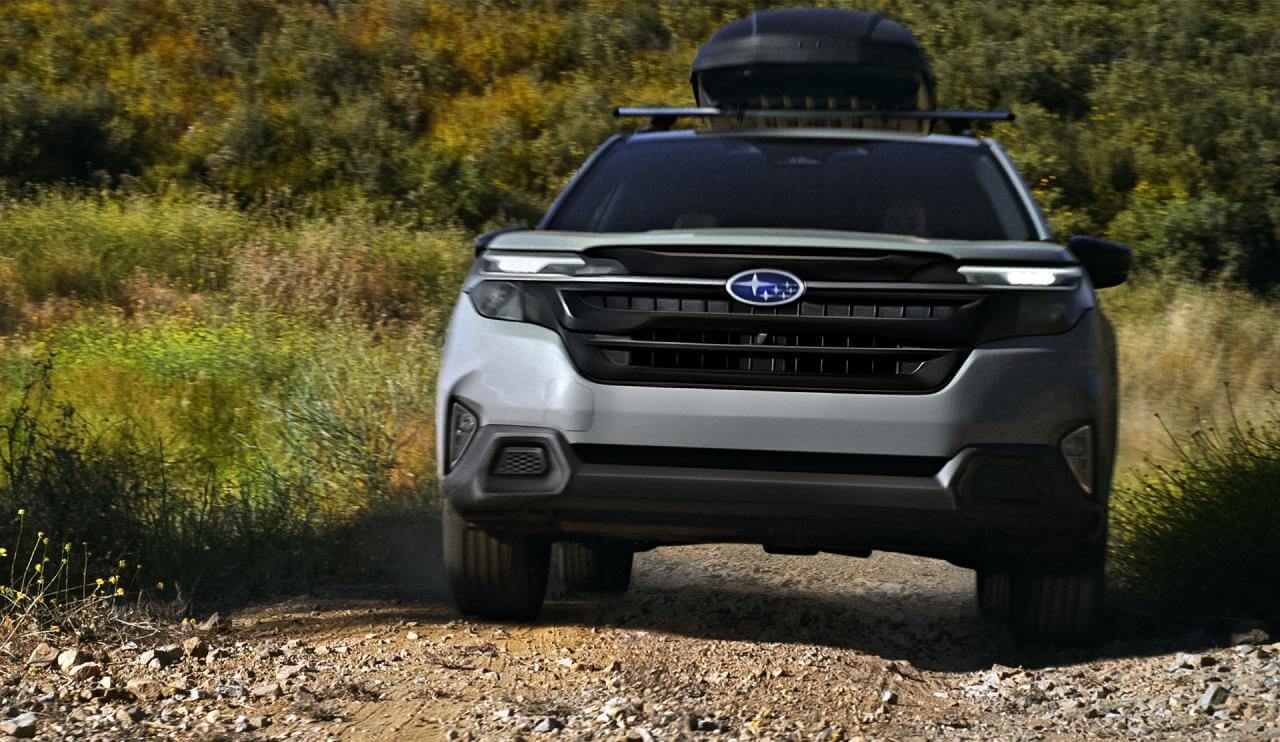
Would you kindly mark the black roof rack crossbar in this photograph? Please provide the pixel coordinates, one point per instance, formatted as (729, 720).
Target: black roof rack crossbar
(662, 119)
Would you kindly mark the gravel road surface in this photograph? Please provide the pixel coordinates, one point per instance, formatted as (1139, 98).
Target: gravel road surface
(711, 642)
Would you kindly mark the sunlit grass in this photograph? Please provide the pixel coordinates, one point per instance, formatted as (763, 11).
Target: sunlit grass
(231, 432)
(1189, 355)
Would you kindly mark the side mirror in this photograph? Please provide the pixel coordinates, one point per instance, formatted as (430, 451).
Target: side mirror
(1107, 263)
(483, 240)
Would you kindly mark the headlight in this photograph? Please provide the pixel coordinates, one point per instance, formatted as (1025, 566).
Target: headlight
(547, 264)
(1030, 312)
(1028, 277)
(498, 300)
(495, 281)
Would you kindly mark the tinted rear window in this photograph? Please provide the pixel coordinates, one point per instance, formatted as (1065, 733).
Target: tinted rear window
(921, 189)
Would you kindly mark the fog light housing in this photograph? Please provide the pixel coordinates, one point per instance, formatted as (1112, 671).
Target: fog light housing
(520, 461)
(1077, 449)
(498, 300)
(462, 428)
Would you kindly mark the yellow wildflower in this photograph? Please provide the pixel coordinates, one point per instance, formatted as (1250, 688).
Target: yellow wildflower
(119, 592)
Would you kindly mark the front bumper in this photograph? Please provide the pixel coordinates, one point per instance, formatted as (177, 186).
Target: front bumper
(1031, 390)
(986, 502)
(965, 473)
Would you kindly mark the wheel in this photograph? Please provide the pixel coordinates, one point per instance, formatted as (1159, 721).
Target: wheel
(499, 577)
(993, 592)
(596, 567)
(1056, 602)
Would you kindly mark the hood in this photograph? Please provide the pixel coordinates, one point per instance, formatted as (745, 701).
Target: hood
(786, 239)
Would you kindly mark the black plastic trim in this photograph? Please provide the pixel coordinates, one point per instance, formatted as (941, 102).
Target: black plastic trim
(667, 496)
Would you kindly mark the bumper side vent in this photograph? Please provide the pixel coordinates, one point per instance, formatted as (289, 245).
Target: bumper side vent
(520, 461)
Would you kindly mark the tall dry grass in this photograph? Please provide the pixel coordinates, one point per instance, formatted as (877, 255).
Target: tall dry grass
(229, 404)
(1190, 356)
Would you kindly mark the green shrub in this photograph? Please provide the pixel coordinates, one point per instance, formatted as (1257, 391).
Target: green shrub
(71, 245)
(236, 453)
(1202, 533)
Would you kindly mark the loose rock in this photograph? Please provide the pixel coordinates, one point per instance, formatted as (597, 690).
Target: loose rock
(85, 671)
(145, 689)
(265, 690)
(69, 658)
(1212, 696)
(159, 658)
(22, 727)
(43, 655)
(196, 647)
(290, 671)
(212, 624)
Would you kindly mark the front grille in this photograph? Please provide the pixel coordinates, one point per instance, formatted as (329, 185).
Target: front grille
(765, 353)
(659, 303)
(869, 339)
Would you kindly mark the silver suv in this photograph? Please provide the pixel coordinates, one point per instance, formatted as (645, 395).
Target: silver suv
(813, 339)
(809, 339)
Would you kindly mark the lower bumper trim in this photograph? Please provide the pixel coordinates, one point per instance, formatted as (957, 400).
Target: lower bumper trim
(985, 500)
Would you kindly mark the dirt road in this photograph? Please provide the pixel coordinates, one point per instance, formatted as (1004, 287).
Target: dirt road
(720, 641)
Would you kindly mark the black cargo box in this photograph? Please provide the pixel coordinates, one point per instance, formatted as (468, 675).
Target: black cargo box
(814, 58)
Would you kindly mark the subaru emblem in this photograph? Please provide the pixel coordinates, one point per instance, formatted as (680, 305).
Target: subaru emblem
(763, 287)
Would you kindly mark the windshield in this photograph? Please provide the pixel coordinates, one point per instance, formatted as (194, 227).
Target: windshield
(908, 188)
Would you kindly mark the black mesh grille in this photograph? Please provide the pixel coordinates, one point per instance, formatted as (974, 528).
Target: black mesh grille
(520, 461)
(887, 336)
(670, 303)
(766, 353)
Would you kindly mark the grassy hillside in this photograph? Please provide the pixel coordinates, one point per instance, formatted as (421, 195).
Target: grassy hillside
(1155, 122)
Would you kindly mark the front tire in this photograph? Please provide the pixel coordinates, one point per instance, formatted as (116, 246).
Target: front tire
(498, 577)
(1057, 602)
(993, 592)
(596, 567)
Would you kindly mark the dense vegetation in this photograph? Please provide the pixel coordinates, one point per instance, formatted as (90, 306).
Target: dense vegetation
(1181, 530)
(1152, 122)
(229, 230)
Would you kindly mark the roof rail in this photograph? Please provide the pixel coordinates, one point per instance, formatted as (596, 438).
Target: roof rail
(662, 119)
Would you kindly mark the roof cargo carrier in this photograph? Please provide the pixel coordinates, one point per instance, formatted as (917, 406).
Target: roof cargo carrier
(816, 59)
